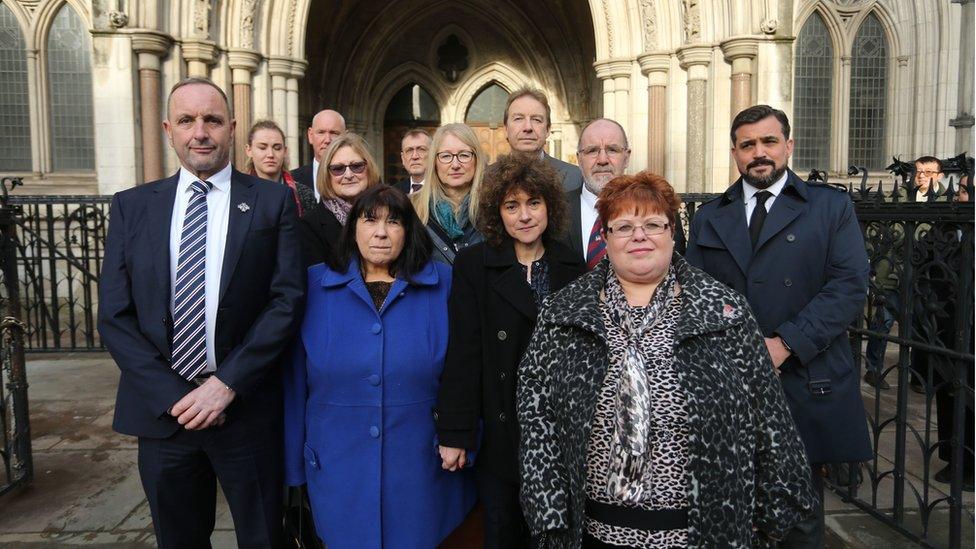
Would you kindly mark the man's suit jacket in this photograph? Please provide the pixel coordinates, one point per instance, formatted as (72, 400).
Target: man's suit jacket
(262, 288)
(571, 175)
(574, 236)
(304, 175)
(806, 282)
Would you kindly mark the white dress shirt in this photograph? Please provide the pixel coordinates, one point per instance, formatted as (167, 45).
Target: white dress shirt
(218, 209)
(315, 179)
(749, 195)
(587, 216)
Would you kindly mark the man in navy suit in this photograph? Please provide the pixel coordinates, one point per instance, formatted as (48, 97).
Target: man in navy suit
(201, 291)
(796, 253)
(326, 125)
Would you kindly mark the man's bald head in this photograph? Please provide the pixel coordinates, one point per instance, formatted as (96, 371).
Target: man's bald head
(326, 125)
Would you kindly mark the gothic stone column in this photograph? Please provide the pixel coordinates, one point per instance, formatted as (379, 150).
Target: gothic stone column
(243, 63)
(695, 60)
(199, 55)
(150, 47)
(615, 74)
(740, 52)
(655, 67)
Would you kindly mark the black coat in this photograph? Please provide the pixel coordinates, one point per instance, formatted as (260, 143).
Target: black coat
(492, 313)
(303, 175)
(445, 248)
(319, 231)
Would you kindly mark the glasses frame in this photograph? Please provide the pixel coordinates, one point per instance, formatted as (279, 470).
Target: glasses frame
(442, 155)
(355, 167)
(612, 231)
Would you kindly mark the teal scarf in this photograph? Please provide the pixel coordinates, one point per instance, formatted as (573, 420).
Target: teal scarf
(453, 225)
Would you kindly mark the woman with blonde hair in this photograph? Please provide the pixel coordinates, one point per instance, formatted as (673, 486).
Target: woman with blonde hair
(448, 202)
(347, 169)
(267, 158)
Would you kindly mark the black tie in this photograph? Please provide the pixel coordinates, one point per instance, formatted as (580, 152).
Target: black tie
(758, 217)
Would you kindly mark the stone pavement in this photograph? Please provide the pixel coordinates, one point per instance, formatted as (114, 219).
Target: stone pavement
(86, 487)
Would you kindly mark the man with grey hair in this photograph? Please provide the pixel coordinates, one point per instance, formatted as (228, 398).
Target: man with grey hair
(326, 125)
(414, 149)
(201, 291)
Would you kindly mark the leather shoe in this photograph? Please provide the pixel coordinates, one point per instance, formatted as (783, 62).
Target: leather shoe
(874, 379)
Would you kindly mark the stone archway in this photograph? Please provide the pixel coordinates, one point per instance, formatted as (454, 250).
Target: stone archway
(364, 56)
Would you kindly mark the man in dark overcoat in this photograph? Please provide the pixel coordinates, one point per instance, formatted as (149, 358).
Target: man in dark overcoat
(796, 252)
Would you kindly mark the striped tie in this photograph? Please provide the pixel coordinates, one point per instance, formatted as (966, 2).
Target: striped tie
(597, 247)
(189, 303)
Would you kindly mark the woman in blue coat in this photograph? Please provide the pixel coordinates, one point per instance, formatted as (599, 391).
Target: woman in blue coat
(360, 389)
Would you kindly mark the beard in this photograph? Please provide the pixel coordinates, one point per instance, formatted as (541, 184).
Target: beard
(766, 181)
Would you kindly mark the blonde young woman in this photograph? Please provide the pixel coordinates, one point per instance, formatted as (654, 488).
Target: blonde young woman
(448, 202)
(346, 171)
(267, 158)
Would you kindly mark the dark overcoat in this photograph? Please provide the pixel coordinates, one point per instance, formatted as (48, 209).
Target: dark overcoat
(319, 231)
(746, 466)
(492, 313)
(806, 282)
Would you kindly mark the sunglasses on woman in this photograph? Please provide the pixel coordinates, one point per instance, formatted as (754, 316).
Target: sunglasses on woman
(338, 170)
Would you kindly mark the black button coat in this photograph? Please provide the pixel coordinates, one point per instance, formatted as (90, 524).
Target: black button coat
(492, 315)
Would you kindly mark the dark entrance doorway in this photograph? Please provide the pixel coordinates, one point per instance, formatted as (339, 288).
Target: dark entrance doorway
(411, 107)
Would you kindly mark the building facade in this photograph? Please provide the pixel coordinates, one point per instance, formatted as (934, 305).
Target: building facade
(83, 83)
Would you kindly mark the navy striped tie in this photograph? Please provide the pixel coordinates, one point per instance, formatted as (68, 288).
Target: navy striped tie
(189, 303)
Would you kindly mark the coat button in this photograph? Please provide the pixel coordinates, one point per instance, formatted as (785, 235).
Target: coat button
(502, 335)
(787, 282)
(373, 380)
(376, 328)
(791, 237)
(502, 376)
(502, 417)
(436, 417)
(374, 431)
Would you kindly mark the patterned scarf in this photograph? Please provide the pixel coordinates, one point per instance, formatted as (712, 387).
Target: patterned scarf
(339, 208)
(452, 224)
(630, 469)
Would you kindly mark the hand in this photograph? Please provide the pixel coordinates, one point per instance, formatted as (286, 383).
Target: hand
(452, 459)
(777, 351)
(204, 406)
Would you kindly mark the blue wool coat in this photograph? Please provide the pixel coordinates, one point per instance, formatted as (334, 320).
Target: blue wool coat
(359, 429)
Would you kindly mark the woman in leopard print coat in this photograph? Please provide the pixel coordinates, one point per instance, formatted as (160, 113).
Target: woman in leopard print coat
(746, 476)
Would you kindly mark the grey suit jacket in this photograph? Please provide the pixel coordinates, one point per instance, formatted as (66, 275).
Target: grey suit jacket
(572, 176)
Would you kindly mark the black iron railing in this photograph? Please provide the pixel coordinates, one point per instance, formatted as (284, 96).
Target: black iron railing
(15, 451)
(60, 242)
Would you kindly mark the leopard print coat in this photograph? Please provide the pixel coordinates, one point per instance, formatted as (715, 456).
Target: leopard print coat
(746, 467)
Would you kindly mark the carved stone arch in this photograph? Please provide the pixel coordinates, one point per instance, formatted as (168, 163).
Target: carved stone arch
(23, 21)
(887, 24)
(394, 81)
(671, 25)
(601, 20)
(474, 52)
(507, 77)
(44, 17)
(243, 23)
(716, 20)
(360, 72)
(836, 29)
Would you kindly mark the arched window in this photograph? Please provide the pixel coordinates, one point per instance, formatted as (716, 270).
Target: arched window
(15, 140)
(70, 90)
(488, 106)
(413, 106)
(812, 83)
(869, 82)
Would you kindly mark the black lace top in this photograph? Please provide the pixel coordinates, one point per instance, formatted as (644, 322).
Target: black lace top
(378, 291)
(539, 281)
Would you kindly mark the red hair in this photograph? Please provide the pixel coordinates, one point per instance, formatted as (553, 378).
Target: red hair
(642, 193)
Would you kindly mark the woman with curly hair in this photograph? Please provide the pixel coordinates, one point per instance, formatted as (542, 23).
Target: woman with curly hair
(498, 286)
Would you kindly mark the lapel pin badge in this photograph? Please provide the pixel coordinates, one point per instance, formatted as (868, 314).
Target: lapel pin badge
(730, 312)
(243, 207)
